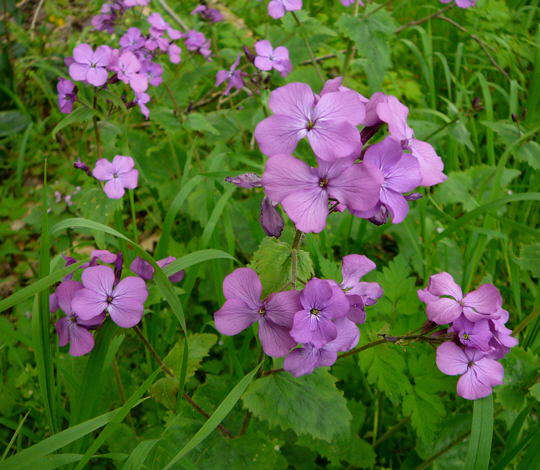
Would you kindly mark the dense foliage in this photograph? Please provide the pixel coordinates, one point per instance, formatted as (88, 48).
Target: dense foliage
(228, 239)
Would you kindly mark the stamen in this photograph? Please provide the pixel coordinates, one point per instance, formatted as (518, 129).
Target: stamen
(314, 311)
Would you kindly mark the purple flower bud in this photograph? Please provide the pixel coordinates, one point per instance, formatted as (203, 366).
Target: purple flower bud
(247, 180)
(118, 267)
(270, 219)
(249, 55)
(79, 164)
(368, 132)
(413, 196)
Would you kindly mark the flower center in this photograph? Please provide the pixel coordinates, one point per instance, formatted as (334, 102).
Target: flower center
(314, 311)
(465, 336)
(115, 175)
(262, 311)
(310, 124)
(470, 364)
(109, 299)
(323, 182)
(73, 319)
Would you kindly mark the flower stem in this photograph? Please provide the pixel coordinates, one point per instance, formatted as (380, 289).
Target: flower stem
(309, 49)
(294, 256)
(222, 429)
(423, 20)
(350, 47)
(96, 130)
(133, 215)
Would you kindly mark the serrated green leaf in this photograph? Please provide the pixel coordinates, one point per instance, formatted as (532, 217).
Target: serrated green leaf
(426, 412)
(529, 258)
(199, 347)
(272, 262)
(311, 404)
(198, 122)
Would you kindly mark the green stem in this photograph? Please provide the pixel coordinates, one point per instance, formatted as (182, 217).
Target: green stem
(310, 50)
(294, 256)
(350, 47)
(133, 215)
(96, 130)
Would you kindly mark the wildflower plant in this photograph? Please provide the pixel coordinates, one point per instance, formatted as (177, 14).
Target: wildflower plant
(272, 234)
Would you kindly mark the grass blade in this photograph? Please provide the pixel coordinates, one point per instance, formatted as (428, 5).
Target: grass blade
(217, 417)
(137, 457)
(478, 455)
(195, 258)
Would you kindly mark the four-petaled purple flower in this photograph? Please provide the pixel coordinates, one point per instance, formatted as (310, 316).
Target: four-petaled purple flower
(321, 303)
(277, 8)
(479, 374)
(243, 307)
(269, 58)
(209, 14)
(304, 192)
(67, 93)
(400, 173)
(462, 3)
(123, 300)
(71, 328)
(445, 301)
(129, 71)
(90, 65)
(233, 77)
(328, 123)
(119, 174)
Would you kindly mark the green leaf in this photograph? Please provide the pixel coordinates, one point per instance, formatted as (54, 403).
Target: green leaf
(81, 114)
(12, 122)
(311, 404)
(216, 418)
(479, 452)
(426, 411)
(385, 368)
(198, 122)
(272, 262)
(529, 259)
(374, 29)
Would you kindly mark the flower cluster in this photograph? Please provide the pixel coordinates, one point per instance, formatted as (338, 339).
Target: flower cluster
(372, 183)
(278, 8)
(308, 327)
(101, 291)
(134, 62)
(477, 326)
(208, 14)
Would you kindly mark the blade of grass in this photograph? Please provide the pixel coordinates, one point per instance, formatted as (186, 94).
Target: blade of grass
(15, 434)
(217, 417)
(34, 454)
(109, 429)
(38, 286)
(479, 452)
(195, 258)
(136, 459)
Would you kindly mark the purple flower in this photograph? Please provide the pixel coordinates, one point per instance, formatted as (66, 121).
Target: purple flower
(321, 304)
(174, 53)
(462, 3)
(67, 93)
(478, 373)
(105, 21)
(247, 180)
(233, 77)
(145, 270)
(269, 58)
(348, 3)
(277, 8)
(401, 174)
(360, 294)
(196, 41)
(132, 39)
(104, 256)
(90, 66)
(243, 307)
(124, 301)
(119, 175)
(209, 14)
(306, 359)
(445, 301)
(134, 3)
(386, 108)
(129, 69)
(270, 219)
(141, 99)
(500, 341)
(71, 329)
(328, 123)
(304, 192)
(475, 335)
(153, 71)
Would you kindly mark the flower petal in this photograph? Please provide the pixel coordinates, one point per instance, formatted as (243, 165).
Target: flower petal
(62, 330)
(483, 302)
(431, 165)
(443, 310)
(279, 134)
(451, 359)
(347, 337)
(317, 294)
(114, 189)
(301, 361)
(97, 76)
(81, 341)
(99, 279)
(275, 339)
(65, 293)
(354, 268)
(396, 205)
(245, 285)
(83, 54)
(78, 71)
(86, 304)
(341, 106)
(295, 100)
(315, 329)
(444, 284)
(470, 388)
(104, 170)
(281, 307)
(264, 48)
(234, 316)
(334, 139)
